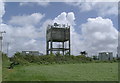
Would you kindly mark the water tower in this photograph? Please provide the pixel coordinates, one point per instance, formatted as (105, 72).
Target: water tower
(58, 33)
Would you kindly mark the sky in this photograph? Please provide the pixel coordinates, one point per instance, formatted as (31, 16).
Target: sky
(93, 25)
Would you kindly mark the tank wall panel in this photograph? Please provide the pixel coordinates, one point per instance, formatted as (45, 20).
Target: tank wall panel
(58, 34)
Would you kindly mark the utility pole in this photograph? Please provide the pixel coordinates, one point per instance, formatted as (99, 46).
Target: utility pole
(8, 48)
(1, 38)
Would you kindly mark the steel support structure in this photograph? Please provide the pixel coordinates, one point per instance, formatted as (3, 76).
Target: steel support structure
(63, 49)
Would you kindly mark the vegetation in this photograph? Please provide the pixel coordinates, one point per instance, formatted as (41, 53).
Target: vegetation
(0, 68)
(6, 61)
(63, 72)
(19, 58)
(0, 73)
(45, 68)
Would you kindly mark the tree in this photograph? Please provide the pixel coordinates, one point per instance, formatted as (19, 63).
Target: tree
(95, 58)
(83, 53)
(67, 53)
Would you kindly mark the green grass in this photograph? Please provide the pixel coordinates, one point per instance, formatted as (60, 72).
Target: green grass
(63, 72)
(0, 67)
(0, 71)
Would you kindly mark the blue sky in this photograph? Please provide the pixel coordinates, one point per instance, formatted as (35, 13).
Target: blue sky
(82, 12)
(51, 11)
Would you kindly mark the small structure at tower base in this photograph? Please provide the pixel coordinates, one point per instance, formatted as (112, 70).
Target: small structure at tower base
(105, 56)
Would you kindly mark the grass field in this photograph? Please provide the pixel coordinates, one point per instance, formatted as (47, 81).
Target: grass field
(0, 68)
(0, 71)
(63, 72)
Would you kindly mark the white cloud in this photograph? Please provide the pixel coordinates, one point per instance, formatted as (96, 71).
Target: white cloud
(2, 10)
(26, 36)
(69, 18)
(102, 8)
(99, 35)
(65, 18)
(22, 38)
(90, 0)
(43, 4)
(102, 1)
(32, 19)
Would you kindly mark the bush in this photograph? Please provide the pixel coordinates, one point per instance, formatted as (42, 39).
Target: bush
(51, 59)
(19, 58)
(5, 60)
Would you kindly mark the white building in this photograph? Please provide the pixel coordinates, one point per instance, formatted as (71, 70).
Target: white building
(104, 56)
(31, 53)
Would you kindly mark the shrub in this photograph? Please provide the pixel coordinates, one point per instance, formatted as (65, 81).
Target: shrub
(51, 59)
(5, 60)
